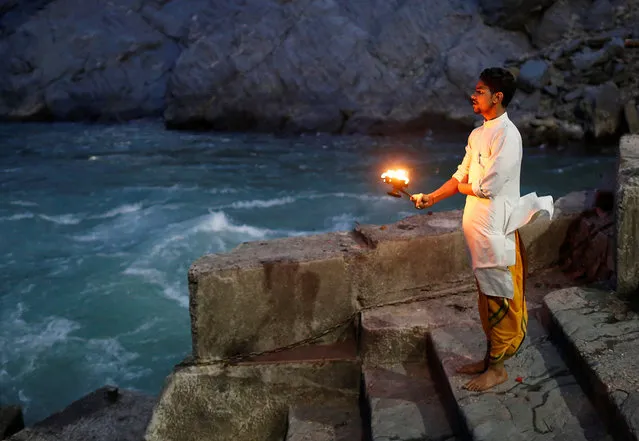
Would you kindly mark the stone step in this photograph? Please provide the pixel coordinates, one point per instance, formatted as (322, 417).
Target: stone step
(599, 335)
(404, 405)
(548, 403)
(308, 423)
(396, 334)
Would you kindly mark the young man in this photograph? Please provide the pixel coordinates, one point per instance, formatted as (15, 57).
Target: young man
(489, 177)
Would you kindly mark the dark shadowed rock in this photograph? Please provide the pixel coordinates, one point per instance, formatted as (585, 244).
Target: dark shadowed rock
(602, 109)
(517, 15)
(66, 61)
(106, 414)
(371, 66)
(562, 17)
(11, 421)
(631, 112)
(309, 64)
(533, 74)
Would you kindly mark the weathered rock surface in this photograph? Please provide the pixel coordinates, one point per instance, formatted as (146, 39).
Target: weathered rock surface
(259, 297)
(600, 335)
(627, 216)
(11, 420)
(548, 404)
(306, 423)
(397, 334)
(106, 414)
(85, 60)
(332, 65)
(249, 400)
(588, 251)
(404, 405)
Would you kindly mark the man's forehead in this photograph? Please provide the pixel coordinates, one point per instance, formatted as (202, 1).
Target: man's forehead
(481, 85)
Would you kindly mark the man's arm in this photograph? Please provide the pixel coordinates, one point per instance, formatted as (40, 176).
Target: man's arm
(466, 188)
(449, 188)
(445, 191)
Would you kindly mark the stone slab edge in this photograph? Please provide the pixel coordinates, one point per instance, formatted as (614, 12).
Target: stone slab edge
(320, 423)
(316, 281)
(623, 422)
(627, 215)
(249, 400)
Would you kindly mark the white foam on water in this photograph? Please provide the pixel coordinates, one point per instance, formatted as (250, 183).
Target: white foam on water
(140, 329)
(156, 277)
(225, 190)
(17, 216)
(27, 341)
(108, 359)
(122, 209)
(62, 219)
(24, 203)
(218, 222)
(89, 237)
(262, 203)
(360, 196)
(343, 222)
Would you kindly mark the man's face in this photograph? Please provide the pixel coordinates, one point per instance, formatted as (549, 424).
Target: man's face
(483, 100)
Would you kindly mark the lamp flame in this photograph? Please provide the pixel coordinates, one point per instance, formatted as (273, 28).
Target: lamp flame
(395, 175)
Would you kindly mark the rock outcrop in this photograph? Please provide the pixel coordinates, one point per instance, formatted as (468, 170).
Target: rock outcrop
(318, 65)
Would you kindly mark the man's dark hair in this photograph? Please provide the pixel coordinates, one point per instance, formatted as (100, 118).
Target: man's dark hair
(500, 80)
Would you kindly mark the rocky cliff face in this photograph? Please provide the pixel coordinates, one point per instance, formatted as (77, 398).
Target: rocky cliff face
(372, 66)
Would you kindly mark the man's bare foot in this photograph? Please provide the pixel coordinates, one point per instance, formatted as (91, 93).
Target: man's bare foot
(473, 368)
(494, 375)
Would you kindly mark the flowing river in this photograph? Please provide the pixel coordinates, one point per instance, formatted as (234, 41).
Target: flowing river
(99, 224)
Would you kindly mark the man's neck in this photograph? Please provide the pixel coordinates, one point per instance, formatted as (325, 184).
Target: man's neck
(495, 112)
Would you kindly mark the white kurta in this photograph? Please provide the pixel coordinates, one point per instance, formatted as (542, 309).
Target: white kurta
(492, 165)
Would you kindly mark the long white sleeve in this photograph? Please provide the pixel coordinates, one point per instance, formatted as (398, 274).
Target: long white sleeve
(464, 167)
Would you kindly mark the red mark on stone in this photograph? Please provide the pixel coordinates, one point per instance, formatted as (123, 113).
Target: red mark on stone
(519, 380)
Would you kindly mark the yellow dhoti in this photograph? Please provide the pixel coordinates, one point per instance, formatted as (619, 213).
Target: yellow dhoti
(505, 320)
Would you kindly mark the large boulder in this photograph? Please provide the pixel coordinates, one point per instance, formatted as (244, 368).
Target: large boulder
(562, 17)
(513, 14)
(306, 65)
(533, 74)
(69, 61)
(602, 109)
(296, 65)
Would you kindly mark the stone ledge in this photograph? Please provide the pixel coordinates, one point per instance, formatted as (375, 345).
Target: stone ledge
(397, 334)
(547, 405)
(248, 401)
(324, 424)
(106, 414)
(599, 334)
(264, 295)
(627, 214)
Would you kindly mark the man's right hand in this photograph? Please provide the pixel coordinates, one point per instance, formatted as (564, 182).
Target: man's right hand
(422, 200)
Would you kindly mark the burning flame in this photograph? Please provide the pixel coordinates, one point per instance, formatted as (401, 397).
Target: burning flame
(399, 175)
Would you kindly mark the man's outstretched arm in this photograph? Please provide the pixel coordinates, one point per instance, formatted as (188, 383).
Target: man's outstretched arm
(447, 190)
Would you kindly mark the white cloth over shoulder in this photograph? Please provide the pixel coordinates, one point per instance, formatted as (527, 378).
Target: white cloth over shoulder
(492, 165)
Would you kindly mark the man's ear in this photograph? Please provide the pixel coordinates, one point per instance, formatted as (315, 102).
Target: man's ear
(499, 96)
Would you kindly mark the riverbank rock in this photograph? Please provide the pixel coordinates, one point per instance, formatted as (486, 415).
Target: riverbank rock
(372, 66)
(106, 414)
(11, 421)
